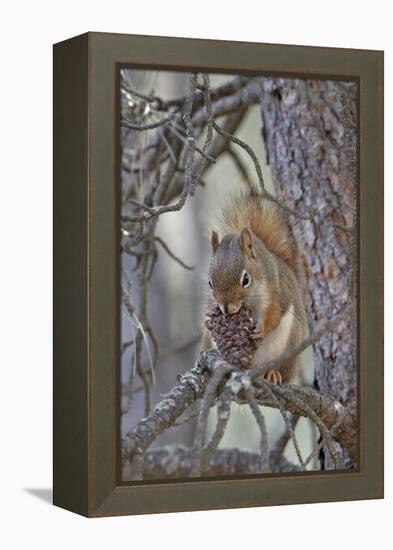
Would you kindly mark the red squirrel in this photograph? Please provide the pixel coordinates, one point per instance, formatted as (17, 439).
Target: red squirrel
(256, 263)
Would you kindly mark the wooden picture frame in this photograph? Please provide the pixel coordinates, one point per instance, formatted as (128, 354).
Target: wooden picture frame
(86, 266)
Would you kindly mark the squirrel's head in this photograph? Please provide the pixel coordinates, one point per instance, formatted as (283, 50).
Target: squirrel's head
(235, 270)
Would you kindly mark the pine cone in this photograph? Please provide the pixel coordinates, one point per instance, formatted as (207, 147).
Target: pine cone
(233, 336)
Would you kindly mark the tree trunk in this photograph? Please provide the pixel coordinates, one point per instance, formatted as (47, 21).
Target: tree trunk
(308, 139)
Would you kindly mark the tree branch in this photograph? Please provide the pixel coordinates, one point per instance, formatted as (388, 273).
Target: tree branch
(221, 370)
(191, 387)
(148, 126)
(300, 400)
(175, 461)
(247, 95)
(228, 88)
(260, 420)
(208, 379)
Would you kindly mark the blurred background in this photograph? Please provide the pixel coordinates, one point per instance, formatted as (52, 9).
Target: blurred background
(177, 296)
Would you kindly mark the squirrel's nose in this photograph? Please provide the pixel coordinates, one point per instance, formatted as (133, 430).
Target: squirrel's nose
(229, 309)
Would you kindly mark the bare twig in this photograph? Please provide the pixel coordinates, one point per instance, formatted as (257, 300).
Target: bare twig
(301, 401)
(189, 155)
(150, 98)
(280, 445)
(218, 147)
(126, 345)
(228, 88)
(191, 387)
(221, 370)
(240, 165)
(142, 327)
(307, 402)
(290, 428)
(250, 396)
(172, 255)
(209, 133)
(247, 95)
(148, 126)
(264, 193)
(223, 414)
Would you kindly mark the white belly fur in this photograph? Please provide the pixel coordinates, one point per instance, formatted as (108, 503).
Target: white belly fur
(276, 342)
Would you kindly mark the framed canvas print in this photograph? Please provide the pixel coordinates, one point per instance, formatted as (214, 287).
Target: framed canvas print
(218, 261)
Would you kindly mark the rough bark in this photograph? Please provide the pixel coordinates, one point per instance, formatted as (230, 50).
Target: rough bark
(175, 461)
(307, 148)
(196, 384)
(306, 137)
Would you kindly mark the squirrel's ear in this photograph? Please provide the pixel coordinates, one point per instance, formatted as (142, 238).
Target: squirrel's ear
(214, 241)
(247, 242)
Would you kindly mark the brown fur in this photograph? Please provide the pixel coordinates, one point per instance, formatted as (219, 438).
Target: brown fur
(265, 220)
(272, 317)
(255, 238)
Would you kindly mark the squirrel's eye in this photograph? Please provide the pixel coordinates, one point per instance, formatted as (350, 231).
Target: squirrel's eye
(210, 284)
(245, 281)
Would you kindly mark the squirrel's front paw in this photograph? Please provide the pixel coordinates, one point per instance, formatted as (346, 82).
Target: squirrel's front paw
(273, 376)
(257, 332)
